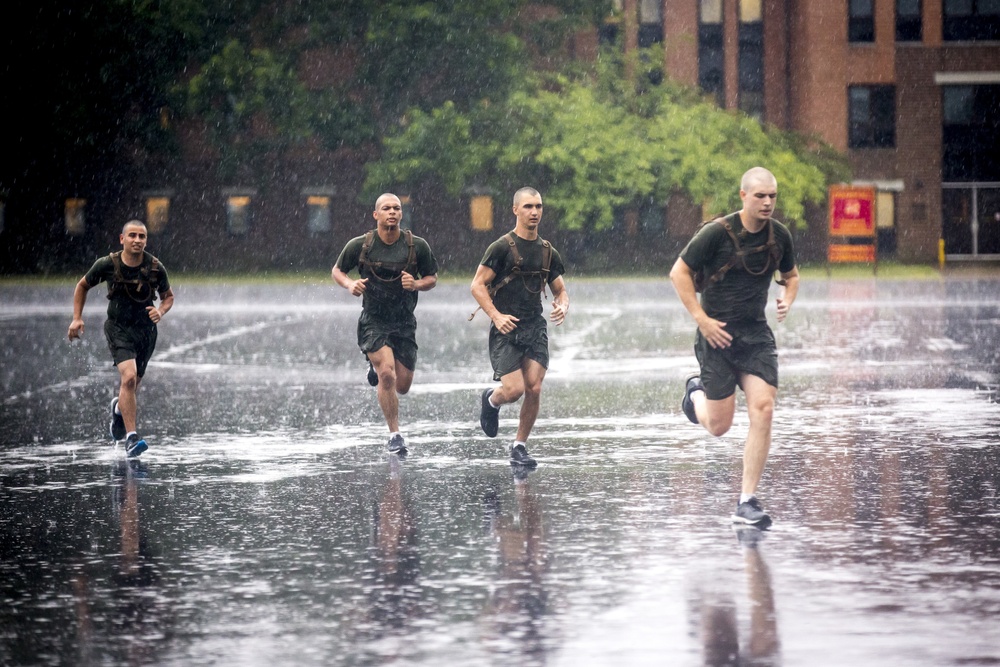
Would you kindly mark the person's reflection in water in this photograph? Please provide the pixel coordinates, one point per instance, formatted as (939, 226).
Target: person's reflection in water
(139, 620)
(719, 624)
(516, 610)
(395, 592)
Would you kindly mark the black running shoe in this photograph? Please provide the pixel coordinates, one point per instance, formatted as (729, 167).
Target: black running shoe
(519, 456)
(489, 417)
(397, 444)
(692, 383)
(135, 446)
(372, 375)
(751, 513)
(117, 426)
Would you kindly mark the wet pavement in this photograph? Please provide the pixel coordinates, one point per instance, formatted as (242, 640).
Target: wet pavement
(267, 525)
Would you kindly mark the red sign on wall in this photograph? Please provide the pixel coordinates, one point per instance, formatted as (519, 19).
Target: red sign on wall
(852, 211)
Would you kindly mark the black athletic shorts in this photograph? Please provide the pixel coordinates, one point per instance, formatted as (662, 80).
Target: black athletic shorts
(131, 342)
(528, 340)
(373, 335)
(753, 351)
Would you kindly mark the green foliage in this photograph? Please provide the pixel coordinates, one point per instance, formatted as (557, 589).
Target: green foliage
(597, 143)
(235, 87)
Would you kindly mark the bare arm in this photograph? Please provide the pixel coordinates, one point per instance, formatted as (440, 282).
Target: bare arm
(713, 330)
(481, 292)
(166, 303)
(787, 296)
(355, 287)
(560, 301)
(79, 301)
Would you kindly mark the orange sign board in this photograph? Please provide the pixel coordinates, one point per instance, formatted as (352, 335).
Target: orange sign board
(852, 211)
(839, 252)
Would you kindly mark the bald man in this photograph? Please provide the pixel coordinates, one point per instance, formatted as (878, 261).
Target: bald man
(392, 267)
(134, 278)
(734, 345)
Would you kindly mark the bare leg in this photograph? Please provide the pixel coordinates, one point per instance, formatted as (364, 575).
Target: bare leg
(715, 416)
(533, 373)
(385, 365)
(127, 404)
(510, 390)
(760, 407)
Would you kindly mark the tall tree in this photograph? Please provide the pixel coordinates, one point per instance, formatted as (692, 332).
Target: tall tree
(596, 143)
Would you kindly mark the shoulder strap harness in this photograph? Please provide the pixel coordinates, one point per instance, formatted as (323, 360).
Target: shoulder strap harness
(516, 271)
(408, 266)
(740, 255)
(141, 289)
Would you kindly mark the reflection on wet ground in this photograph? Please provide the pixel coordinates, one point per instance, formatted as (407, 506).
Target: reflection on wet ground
(267, 525)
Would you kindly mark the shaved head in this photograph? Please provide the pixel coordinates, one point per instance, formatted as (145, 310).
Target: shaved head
(384, 196)
(756, 175)
(137, 223)
(525, 192)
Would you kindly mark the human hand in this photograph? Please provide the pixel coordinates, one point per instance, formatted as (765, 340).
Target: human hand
(559, 312)
(75, 329)
(715, 333)
(358, 286)
(154, 314)
(783, 307)
(505, 323)
(407, 281)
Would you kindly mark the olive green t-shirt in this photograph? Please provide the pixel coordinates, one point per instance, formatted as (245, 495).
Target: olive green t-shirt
(384, 296)
(127, 303)
(521, 297)
(740, 296)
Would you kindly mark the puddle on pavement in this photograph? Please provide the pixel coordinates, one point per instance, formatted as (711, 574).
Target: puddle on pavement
(267, 525)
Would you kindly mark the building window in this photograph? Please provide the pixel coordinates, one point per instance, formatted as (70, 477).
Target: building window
(711, 72)
(970, 20)
(157, 209)
(319, 219)
(157, 214)
(751, 59)
(861, 21)
(75, 216)
(909, 27)
(970, 133)
(238, 210)
(650, 23)
(871, 117)
(481, 213)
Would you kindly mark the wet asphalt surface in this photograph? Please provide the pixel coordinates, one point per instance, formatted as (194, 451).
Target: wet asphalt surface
(267, 524)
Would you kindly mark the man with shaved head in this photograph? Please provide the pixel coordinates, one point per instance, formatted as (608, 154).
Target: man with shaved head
(392, 266)
(508, 286)
(134, 279)
(734, 344)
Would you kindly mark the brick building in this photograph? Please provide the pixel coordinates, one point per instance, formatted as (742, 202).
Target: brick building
(908, 89)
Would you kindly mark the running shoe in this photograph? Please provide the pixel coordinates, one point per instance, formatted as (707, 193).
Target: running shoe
(692, 383)
(519, 456)
(751, 513)
(397, 444)
(372, 375)
(135, 446)
(489, 417)
(117, 426)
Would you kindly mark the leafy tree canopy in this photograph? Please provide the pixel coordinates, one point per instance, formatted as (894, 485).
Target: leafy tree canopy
(593, 142)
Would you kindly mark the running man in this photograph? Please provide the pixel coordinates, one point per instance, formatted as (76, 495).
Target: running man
(393, 266)
(734, 344)
(508, 286)
(134, 279)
